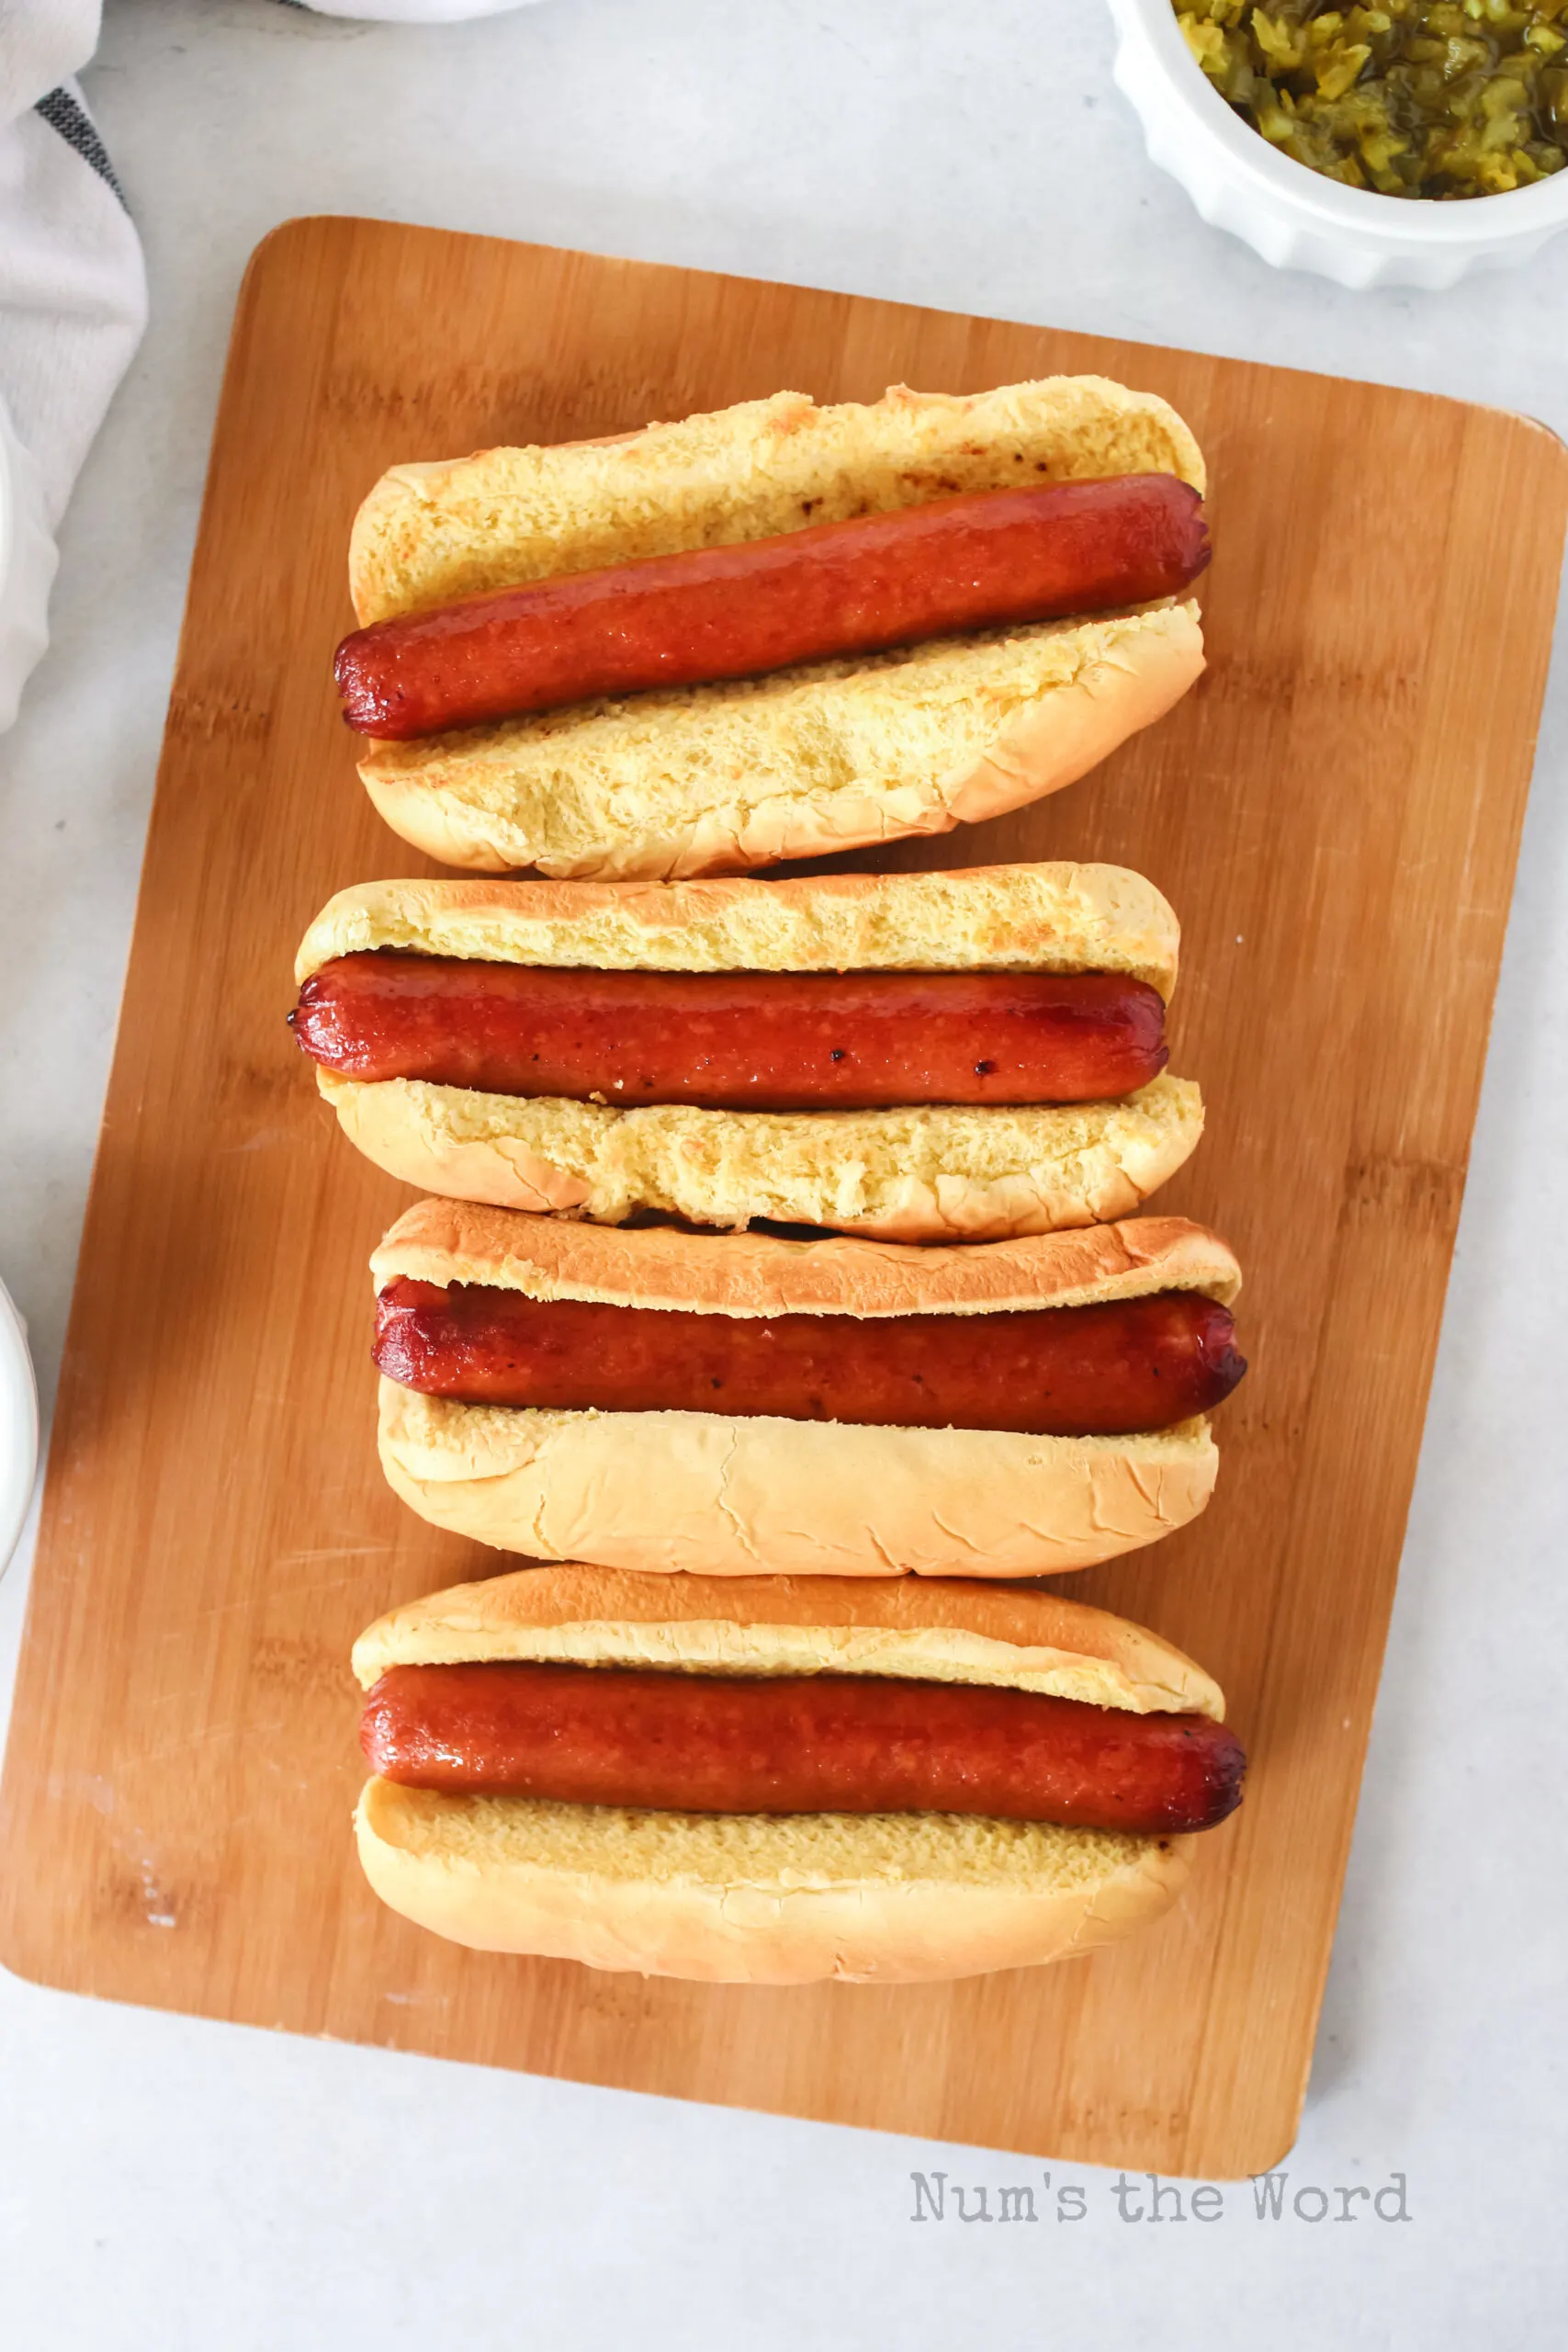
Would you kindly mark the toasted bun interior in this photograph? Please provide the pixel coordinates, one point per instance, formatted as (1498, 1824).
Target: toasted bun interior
(834, 756)
(430, 532)
(757, 1899)
(752, 1275)
(1040, 918)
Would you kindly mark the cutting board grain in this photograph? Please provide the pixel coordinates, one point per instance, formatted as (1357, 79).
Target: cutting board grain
(1335, 813)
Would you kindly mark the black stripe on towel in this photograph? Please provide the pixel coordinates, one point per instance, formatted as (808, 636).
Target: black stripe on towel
(75, 125)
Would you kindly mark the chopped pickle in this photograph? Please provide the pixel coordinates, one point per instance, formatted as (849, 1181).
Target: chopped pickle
(1438, 98)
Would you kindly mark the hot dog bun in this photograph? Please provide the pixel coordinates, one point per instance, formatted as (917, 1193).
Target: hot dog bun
(827, 757)
(932, 1632)
(906, 1175)
(428, 533)
(724, 1898)
(736, 1497)
(758, 1899)
(1047, 917)
(731, 1496)
(759, 1274)
(805, 764)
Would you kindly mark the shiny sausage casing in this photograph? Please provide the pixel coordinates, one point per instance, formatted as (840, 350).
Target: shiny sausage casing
(1101, 1370)
(724, 1041)
(700, 1743)
(982, 561)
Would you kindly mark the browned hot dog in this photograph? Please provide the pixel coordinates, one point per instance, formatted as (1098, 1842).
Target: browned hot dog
(1107, 1369)
(758, 1041)
(823, 1743)
(978, 561)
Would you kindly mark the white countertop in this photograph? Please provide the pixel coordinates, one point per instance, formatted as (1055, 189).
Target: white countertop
(167, 2183)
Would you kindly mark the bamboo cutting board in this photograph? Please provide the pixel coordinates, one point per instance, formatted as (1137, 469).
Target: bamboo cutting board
(1334, 814)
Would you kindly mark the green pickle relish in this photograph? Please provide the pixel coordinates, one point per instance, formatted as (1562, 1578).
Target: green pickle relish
(1437, 99)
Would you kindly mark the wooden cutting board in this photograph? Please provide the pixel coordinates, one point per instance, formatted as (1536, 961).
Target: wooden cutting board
(1334, 814)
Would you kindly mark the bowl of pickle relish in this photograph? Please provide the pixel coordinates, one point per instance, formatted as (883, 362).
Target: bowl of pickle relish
(1357, 141)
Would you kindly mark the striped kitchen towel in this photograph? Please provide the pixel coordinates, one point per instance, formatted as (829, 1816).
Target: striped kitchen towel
(73, 303)
(72, 289)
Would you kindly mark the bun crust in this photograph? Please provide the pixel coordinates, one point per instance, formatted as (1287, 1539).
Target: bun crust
(430, 532)
(761, 1274)
(1038, 918)
(942, 1174)
(807, 762)
(925, 1629)
(889, 1899)
(747, 1497)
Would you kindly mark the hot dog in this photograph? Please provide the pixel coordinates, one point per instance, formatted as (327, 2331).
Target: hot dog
(654, 1399)
(1108, 1370)
(920, 1056)
(795, 1743)
(780, 1780)
(734, 1041)
(770, 632)
(983, 560)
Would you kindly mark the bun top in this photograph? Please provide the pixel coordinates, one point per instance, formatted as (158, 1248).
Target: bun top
(1040, 918)
(764, 1274)
(922, 1628)
(434, 531)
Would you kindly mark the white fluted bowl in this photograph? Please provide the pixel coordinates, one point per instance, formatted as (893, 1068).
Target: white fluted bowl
(1294, 217)
(18, 1427)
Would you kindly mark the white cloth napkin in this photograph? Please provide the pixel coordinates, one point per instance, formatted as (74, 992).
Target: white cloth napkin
(73, 304)
(73, 287)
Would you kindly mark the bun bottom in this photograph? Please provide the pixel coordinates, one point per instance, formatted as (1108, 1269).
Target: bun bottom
(724, 1496)
(742, 1899)
(928, 1174)
(805, 763)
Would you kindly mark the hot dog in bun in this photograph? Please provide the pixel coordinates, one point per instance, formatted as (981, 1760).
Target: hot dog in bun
(771, 632)
(736, 1403)
(783, 1780)
(915, 1056)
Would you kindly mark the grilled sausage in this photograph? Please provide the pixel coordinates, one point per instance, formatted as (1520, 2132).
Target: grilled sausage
(758, 1041)
(825, 1743)
(986, 560)
(1107, 1369)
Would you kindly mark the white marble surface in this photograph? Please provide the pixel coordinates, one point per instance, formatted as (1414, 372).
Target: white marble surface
(167, 2183)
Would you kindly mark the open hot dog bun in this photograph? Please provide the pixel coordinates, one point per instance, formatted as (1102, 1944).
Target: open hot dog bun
(428, 533)
(1047, 917)
(805, 764)
(828, 756)
(930, 1631)
(739, 1497)
(760, 1274)
(774, 1899)
(758, 1899)
(916, 1174)
(732, 1496)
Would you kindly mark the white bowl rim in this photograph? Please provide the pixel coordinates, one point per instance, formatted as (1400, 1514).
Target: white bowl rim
(1419, 222)
(18, 1425)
